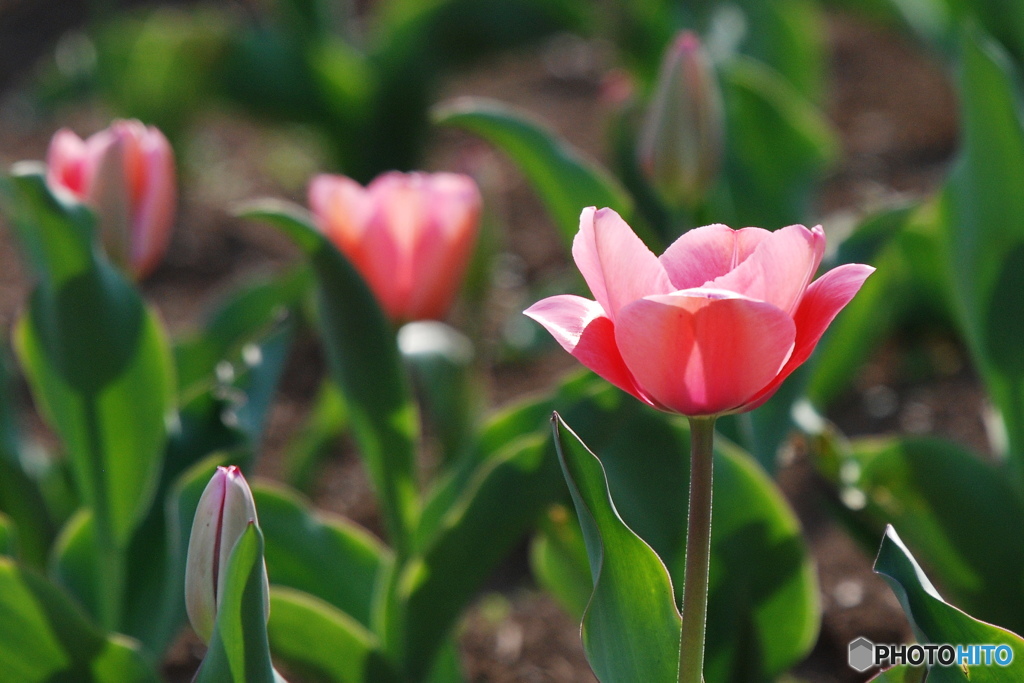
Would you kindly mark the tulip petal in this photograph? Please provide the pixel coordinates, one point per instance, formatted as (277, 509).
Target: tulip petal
(341, 207)
(443, 249)
(617, 265)
(154, 213)
(66, 163)
(708, 252)
(825, 298)
(582, 328)
(703, 352)
(779, 268)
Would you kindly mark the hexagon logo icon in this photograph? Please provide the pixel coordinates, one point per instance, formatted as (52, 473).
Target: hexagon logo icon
(862, 654)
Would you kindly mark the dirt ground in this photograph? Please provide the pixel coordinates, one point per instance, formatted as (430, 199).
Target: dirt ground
(896, 115)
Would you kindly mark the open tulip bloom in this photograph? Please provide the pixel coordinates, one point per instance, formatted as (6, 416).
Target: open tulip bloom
(711, 327)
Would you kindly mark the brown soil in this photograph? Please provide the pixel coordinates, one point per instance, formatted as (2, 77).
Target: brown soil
(896, 114)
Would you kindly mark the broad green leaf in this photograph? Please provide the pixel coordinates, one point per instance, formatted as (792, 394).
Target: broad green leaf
(778, 145)
(866, 320)
(8, 537)
(558, 560)
(983, 229)
(321, 642)
(239, 650)
(96, 358)
(762, 582)
(327, 557)
(20, 495)
(564, 178)
(790, 38)
(245, 315)
(365, 363)
(631, 626)
(956, 512)
(484, 521)
(936, 621)
(44, 637)
(73, 563)
(326, 422)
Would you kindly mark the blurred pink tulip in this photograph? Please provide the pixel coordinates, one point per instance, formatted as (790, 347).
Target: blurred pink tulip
(712, 326)
(126, 175)
(225, 510)
(680, 146)
(410, 235)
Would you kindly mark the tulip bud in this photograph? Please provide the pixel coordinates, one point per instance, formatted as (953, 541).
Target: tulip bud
(225, 510)
(681, 142)
(126, 175)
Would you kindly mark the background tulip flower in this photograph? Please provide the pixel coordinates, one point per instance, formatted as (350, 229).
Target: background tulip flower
(410, 235)
(681, 141)
(225, 509)
(712, 326)
(126, 175)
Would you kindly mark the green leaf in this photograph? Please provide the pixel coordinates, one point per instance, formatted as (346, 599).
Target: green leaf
(323, 643)
(558, 560)
(246, 314)
(365, 363)
(239, 650)
(778, 145)
(20, 495)
(631, 626)
(983, 229)
(936, 621)
(489, 514)
(326, 422)
(44, 637)
(762, 582)
(956, 512)
(325, 556)
(8, 537)
(561, 175)
(95, 356)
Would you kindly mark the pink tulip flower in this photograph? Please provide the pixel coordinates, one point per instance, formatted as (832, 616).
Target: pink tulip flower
(125, 173)
(410, 235)
(225, 510)
(712, 326)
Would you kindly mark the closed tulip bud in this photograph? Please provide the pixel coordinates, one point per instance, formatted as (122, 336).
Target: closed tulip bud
(410, 235)
(681, 141)
(225, 510)
(125, 173)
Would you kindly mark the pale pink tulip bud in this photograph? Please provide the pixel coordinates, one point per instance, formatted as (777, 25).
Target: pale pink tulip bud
(125, 173)
(410, 235)
(225, 510)
(681, 141)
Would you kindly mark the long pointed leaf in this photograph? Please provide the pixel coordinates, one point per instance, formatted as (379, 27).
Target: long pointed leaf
(364, 358)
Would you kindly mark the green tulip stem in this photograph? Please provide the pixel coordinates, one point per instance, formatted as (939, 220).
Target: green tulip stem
(698, 551)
